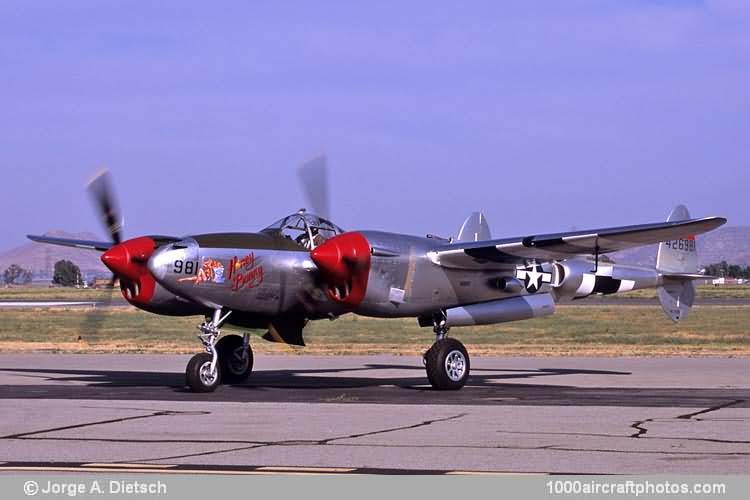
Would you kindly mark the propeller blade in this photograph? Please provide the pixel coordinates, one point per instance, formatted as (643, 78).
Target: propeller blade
(314, 178)
(101, 192)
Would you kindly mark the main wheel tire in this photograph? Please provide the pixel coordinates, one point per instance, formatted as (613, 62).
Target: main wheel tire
(447, 364)
(236, 366)
(198, 373)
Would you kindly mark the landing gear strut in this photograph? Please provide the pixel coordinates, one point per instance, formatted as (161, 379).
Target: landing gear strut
(230, 358)
(446, 362)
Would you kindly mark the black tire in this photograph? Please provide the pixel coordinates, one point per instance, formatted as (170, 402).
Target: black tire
(234, 368)
(447, 364)
(196, 376)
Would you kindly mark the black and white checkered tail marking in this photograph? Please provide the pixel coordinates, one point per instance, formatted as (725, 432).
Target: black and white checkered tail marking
(602, 282)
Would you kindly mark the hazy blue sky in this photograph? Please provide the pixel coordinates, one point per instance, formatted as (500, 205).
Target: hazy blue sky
(545, 115)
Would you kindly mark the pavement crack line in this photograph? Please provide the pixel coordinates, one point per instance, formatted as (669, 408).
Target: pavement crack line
(531, 448)
(241, 445)
(307, 442)
(689, 416)
(641, 430)
(424, 423)
(606, 435)
(160, 413)
(639, 427)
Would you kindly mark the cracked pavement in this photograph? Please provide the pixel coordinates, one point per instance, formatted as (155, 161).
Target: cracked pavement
(545, 415)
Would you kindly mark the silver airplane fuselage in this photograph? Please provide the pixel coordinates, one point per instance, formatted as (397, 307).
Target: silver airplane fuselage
(269, 276)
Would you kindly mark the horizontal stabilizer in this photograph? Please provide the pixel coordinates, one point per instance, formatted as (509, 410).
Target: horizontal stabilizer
(689, 276)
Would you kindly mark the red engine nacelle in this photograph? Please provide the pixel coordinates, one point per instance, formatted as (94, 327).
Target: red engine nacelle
(344, 262)
(128, 261)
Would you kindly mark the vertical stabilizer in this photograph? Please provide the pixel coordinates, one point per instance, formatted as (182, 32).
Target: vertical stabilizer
(676, 257)
(474, 228)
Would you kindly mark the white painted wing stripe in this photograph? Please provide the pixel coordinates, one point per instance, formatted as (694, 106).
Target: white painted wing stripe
(605, 270)
(587, 285)
(626, 286)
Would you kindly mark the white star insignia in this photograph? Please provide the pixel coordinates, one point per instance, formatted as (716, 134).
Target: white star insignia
(534, 277)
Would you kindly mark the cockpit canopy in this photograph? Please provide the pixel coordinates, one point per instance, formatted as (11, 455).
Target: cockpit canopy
(307, 229)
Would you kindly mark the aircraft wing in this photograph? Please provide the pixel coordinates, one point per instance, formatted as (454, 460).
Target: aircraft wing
(102, 246)
(511, 251)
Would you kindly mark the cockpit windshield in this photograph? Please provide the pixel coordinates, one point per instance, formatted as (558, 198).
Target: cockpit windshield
(307, 229)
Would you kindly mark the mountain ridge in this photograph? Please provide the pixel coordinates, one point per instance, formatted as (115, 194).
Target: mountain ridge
(40, 258)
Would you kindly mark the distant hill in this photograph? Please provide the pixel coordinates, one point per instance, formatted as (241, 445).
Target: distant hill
(40, 258)
(726, 243)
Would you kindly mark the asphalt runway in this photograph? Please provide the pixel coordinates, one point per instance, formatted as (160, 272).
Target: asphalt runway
(377, 414)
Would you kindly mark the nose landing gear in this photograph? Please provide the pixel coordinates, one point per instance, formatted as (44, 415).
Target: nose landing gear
(229, 360)
(447, 361)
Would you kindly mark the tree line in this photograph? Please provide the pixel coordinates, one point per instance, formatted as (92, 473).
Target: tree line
(66, 273)
(725, 270)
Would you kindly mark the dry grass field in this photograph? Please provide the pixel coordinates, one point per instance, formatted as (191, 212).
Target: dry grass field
(617, 330)
(58, 293)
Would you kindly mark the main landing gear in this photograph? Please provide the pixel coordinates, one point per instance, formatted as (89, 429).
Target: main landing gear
(446, 362)
(230, 360)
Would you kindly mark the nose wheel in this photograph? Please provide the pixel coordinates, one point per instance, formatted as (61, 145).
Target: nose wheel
(200, 375)
(230, 360)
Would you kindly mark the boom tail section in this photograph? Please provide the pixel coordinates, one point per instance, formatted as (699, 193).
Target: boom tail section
(674, 276)
(579, 278)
